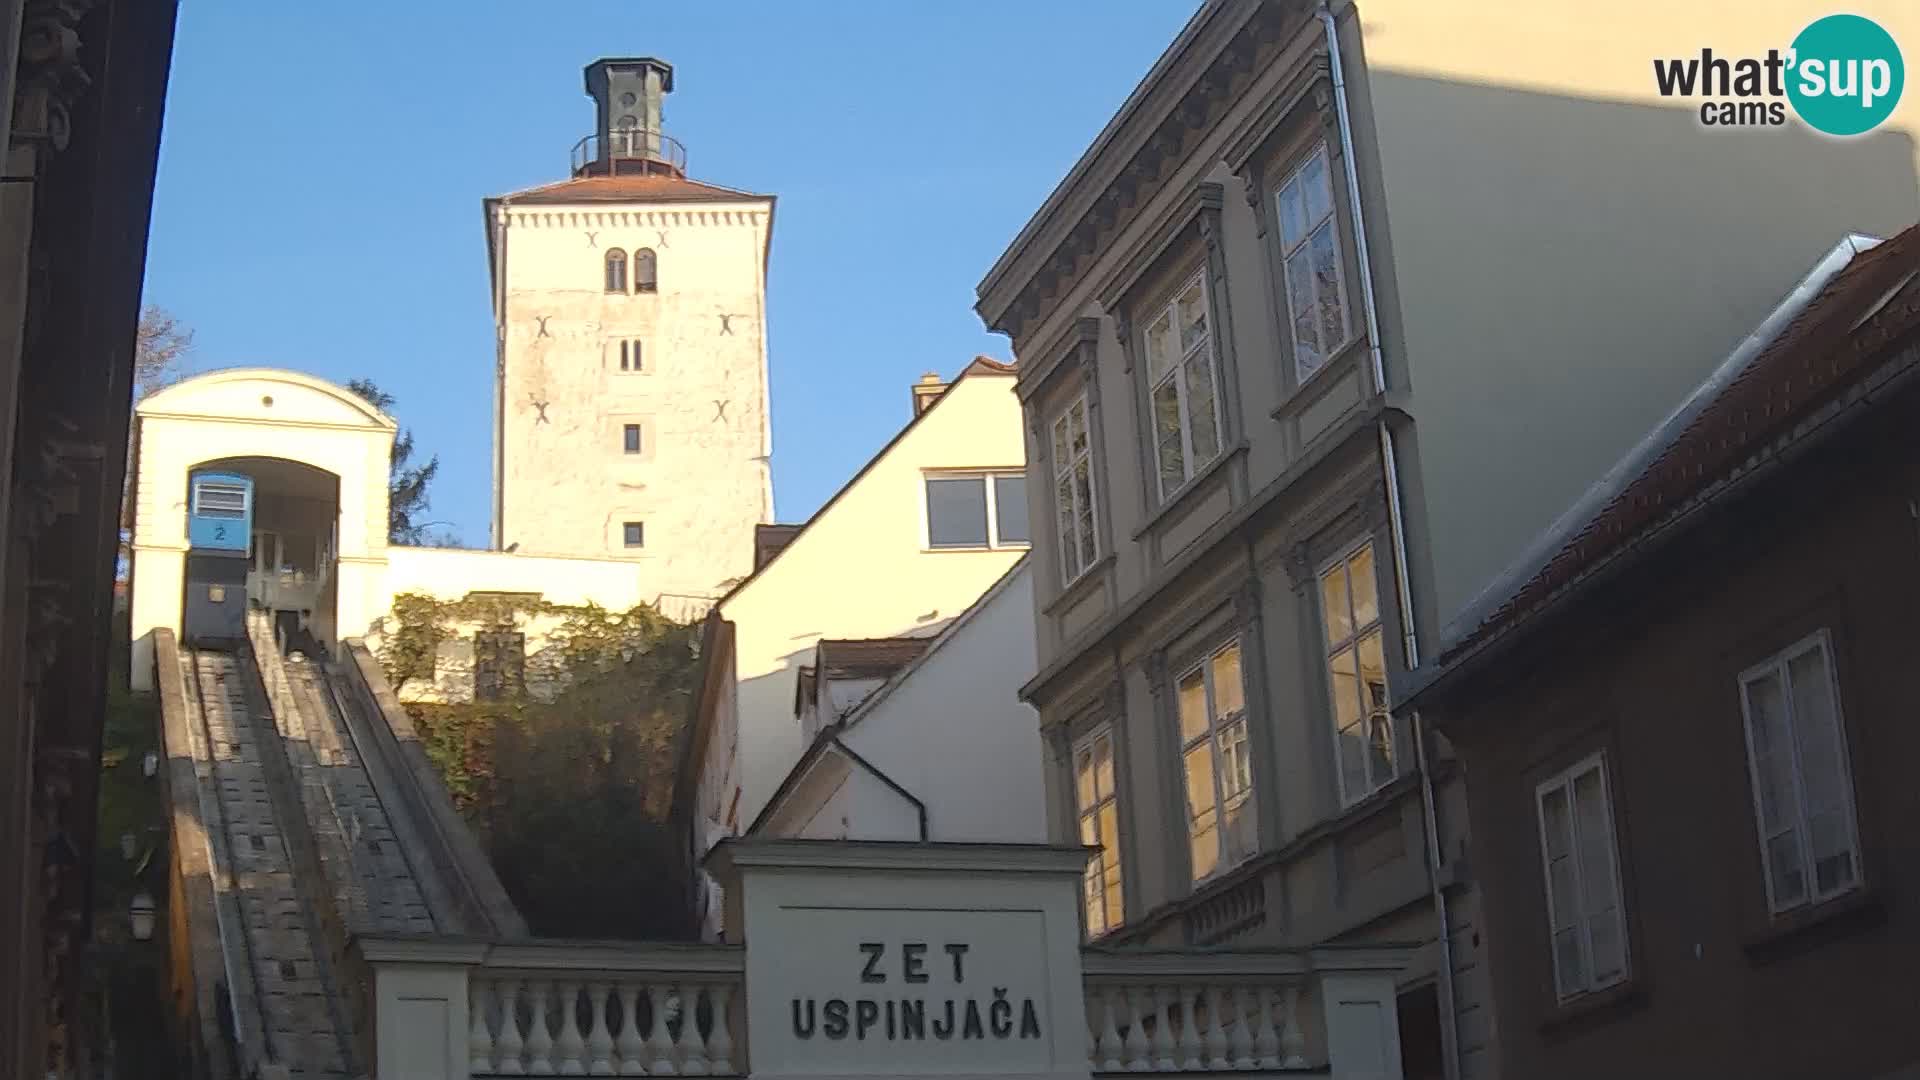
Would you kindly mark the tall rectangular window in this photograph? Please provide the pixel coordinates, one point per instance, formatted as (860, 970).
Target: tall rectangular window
(1098, 809)
(1310, 253)
(1802, 782)
(499, 664)
(1218, 766)
(977, 510)
(630, 438)
(1073, 491)
(1183, 387)
(1583, 879)
(634, 534)
(630, 354)
(1357, 675)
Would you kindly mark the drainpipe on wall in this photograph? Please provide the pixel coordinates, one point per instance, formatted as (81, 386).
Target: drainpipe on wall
(1410, 641)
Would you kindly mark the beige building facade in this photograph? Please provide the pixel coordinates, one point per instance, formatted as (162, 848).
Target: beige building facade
(1340, 309)
(630, 308)
(901, 551)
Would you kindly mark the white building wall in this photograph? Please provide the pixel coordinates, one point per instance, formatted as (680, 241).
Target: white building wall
(954, 732)
(255, 412)
(701, 481)
(951, 731)
(862, 569)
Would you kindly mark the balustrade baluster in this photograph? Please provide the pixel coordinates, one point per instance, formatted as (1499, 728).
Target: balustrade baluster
(1217, 1017)
(720, 1045)
(1093, 1033)
(1293, 1043)
(659, 1047)
(1110, 1048)
(599, 1040)
(631, 1045)
(1190, 1041)
(539, 1039)
(572, 1046)
(1239, 1037)
(510, 1046)
(1163, 1003)
(479, 1038)
(1139, 1057)
(693, 1049)
(1266, 1043)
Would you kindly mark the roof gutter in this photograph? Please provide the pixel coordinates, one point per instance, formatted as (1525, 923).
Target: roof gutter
(1396, 524)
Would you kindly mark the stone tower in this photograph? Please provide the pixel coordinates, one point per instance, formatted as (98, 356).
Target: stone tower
(631, 388)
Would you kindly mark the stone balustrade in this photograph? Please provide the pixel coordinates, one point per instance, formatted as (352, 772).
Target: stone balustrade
(624, 1009)
(1197, 1010)
(629, 1024)
(550, 1008)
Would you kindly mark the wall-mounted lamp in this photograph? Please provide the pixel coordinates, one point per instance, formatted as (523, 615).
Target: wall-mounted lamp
(127, 842)
(141, 914)
(151, 763)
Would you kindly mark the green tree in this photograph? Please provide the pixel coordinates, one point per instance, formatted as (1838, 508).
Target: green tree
(407, 483)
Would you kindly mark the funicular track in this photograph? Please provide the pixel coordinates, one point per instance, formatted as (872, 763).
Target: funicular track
(279, 976)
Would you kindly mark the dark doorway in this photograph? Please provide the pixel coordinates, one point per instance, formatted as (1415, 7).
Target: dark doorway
(1421, 1053)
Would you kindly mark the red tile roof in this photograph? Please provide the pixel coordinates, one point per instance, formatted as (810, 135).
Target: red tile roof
(648, 187)
(869, 658)
(1821, 352)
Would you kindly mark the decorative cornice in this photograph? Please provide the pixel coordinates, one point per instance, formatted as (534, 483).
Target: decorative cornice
(804, 856)
(528, 218)
(1159, 152)
(1113, 700)
(50, 77)
(1155, 666)
(1246, 602)
(1298, 563)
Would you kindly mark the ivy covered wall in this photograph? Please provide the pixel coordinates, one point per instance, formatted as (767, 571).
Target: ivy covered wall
(563, 759)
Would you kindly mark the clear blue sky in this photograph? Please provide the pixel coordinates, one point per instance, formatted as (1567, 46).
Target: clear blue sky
(322, 167)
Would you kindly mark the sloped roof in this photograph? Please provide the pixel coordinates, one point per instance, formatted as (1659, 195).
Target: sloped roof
(869, 658)
(648, 187)
(1810, 351)
(980, 365)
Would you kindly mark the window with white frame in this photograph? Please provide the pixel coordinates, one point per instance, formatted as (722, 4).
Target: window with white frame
(1098, 808)
(977, 510)
(1073, 491)
(1802, 784)
(1582, 864)
(1357, 675)
(1310, 256)
(1183, 386)
(1215, 758)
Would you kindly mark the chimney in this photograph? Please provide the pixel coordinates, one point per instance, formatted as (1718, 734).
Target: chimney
(926, 390)
(627, 97)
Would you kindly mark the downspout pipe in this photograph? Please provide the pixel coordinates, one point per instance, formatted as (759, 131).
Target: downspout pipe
(1396, 524)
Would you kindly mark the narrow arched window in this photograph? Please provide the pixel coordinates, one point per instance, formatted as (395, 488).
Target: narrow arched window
(645, 271)
(616, 271)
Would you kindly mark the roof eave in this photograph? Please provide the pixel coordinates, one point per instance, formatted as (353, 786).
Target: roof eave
(996, 291)
(1541, 550)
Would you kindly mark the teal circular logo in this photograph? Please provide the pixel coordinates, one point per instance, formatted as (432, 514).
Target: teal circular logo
(1846, 75)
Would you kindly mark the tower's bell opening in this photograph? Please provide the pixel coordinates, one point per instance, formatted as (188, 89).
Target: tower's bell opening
(292, 544)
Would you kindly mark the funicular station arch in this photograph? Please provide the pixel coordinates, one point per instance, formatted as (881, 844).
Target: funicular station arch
(317, 456)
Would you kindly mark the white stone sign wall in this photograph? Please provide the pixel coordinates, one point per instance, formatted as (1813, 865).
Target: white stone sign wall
(965, 962)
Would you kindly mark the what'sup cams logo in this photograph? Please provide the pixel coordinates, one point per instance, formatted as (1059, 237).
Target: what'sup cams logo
(1842, 75)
